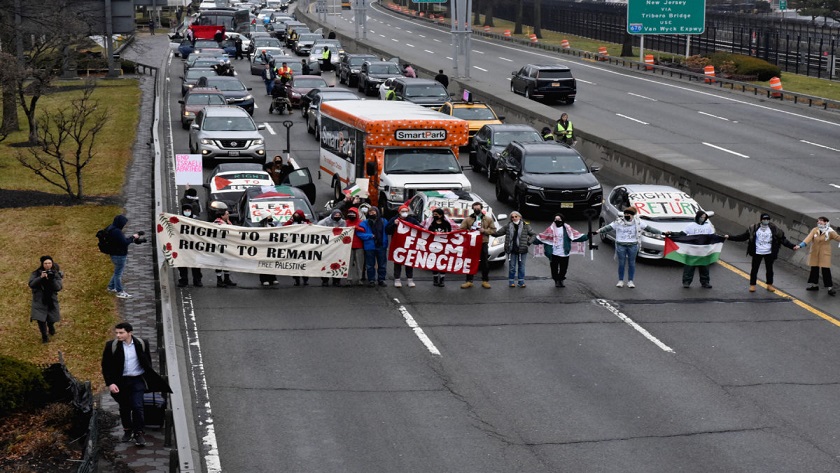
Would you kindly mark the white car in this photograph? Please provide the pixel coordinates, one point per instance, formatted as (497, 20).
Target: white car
(386, 86)
(246, 42)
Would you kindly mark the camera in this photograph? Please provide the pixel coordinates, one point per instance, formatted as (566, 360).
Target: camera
(141, 239)
(50, 274)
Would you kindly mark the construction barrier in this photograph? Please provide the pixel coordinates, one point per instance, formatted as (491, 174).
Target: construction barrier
(534, 39)
(602, 53)
(710, 74)
(507, 34)
(422, 14)
(565, 44)
(649, 62)
(776, 84)
(486, 29)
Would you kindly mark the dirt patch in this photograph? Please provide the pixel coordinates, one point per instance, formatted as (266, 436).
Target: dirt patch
(21, 198)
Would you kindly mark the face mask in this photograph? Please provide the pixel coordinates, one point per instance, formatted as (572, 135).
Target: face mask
(351, 216)
(438, 217)
(476, 212)
(187, 213)
(364, 211)
(372, 216)
(628, 218)
(559, 223)
(765, 222)
(403, 214)
(822, 227)
(702, 220)
(336, 218)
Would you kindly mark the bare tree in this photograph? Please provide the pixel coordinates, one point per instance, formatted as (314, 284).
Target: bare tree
(66, 140)
(538, 18)
(10, 74)
(517, 27)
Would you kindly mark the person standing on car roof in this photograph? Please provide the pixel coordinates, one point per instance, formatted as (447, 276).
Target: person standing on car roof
(222, 217)
(405, 216)
(564, 131)
(628, 238)
(375, 241)
(481, 222)
(820, 258)
(335, 219)
(183, 273)
(439, 224)
(763, 242)
(299, 218)
(558, 238)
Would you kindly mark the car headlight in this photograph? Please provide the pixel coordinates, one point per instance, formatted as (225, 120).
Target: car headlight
(248, 97)
(657, 236)
(596, 187)
(532, 188)
(258, 142)
(396, 193)
(295, 95)
(206, 142)
(497, 241)
(188, 114)
(354, 71)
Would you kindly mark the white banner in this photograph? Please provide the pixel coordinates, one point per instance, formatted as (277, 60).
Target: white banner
(295, 250)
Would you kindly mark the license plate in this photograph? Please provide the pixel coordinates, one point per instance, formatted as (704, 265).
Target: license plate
(555, 84)
(567, 205)
(233, 153)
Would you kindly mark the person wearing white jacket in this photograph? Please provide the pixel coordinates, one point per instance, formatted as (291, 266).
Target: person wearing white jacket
(628, 237)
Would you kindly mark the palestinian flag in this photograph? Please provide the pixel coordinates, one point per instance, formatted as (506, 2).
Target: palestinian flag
(694, 250)
(351, 191)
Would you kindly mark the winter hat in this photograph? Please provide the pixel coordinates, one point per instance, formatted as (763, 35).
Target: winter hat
(336, 212)
(45, 257)
(191, 193)
(403, 207)
(186, 207)
(765, 216)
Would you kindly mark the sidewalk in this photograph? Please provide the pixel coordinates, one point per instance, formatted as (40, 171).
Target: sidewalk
(139, 278)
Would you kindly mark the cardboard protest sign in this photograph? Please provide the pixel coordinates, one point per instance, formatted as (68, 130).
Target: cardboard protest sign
(296, 250)
(456, 252)
(188, 169)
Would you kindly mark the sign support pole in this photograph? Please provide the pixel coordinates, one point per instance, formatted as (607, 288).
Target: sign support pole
(642, 48)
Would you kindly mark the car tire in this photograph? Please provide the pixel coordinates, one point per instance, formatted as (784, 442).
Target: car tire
(512, 88)
(491, 174)
(341, 79)
(474, 162)
(359, 86)
(501, 195)
(185, 125)
(601, 224)
(570, 100)
(519, 200)
(527, 93)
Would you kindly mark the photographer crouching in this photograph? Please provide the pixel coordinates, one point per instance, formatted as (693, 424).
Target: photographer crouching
(45, 283)
(118, 249)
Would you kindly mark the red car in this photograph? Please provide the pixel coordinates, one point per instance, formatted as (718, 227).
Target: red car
(196, 99)
(300, 85)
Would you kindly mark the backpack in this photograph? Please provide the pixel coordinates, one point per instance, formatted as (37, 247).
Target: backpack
(104, 242)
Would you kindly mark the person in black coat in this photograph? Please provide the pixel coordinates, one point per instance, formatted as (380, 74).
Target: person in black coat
(763, 242)
(118, 249)
(128, 373)
(443, 79)
(45, 283)
(439, 224)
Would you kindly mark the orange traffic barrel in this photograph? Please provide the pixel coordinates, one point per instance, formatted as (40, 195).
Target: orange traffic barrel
(533, 37)
(441, 19)
(422, 14)
(649, 62)
(710, 74)
(602, 53)
(486, 29)
(776, 84)
(507, 34)
(565, 44)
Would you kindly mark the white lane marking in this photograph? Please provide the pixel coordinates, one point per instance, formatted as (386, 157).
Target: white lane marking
(835, 185)
(409, 45)
(407, 31)
(505, 59)
(586, 82)
(422, 35)
(713, 116)
(477, 51)
(255, 104)
(641, 96)
(480, 69)
(632, 119)
(435, 39)
(726, 150)
(447, 57)
(417, 330)
(821, 146)
(395, 40)
(372, 31)
(397, 27)
(430, 52)
(268, 127)
(382, 35)
(635, 326)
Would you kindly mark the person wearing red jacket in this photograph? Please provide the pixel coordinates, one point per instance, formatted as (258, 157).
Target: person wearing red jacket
(299, 218)
(357, 254)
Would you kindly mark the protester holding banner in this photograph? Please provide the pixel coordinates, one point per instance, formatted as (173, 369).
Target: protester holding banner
(405, 216)
(518, 237)
(376, 247)
(187, 210)
(698, 252)
(268, 279)
(357, 254)
(483, 223)
(820, 257)
(299, 218)
(763, 242)
(439, 224)
(220, 209)
(561, 240)
(335, 219)
(628, 237)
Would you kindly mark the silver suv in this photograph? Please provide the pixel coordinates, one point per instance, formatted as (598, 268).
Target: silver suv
(227, 132)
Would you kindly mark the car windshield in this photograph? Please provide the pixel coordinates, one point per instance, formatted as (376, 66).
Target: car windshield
(549, 74)
(308, 37)
(339, 96)
(421, 161)
(205, 62)
(204, 43)
(196, 73)
(357, 61)
(554, 164)
(384, 69)
(430, 91)
(228, 124)
(226, 85)
(309, 83)
(502, 138)
(205, 99)
(267, 43)
(473, 113)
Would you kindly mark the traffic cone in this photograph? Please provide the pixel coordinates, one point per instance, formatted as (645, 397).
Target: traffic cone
(602, 53)
(534, 39)
(649, 62)
(565, 44)
(486, 29)
(710, 74)
(507, 34)
(776, 84)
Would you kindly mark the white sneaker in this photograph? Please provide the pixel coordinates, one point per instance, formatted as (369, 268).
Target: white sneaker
(112, 290)
(411, 282)
(397, 283)
(630, 284)
(620, 284)
(266, 283)
(123, 295)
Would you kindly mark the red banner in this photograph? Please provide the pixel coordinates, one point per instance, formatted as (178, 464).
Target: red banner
(456, 252)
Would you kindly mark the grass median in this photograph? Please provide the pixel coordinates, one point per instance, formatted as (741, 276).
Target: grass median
(66, 232)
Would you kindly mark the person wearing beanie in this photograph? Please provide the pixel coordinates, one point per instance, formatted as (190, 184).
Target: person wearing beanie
(222, 217)
(335, 219)
(375, 242)
(820, 258)
(763, 242)
(439, 224)
(45, 283)
(299, 218)
(191, 198)
(183, 273)
(700, 226)
(356, 265)
(405, 215)
(119, 244)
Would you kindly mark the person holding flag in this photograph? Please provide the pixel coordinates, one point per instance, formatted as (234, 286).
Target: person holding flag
(696, 246)
(561, 240)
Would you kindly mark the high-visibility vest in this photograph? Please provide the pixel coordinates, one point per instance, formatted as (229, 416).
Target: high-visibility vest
(548, 137)
(566, 133)
(326, 54)
(285, 72)
(390, 95)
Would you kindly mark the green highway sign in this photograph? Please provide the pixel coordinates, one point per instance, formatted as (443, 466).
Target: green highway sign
(666, 16)
(782, 5)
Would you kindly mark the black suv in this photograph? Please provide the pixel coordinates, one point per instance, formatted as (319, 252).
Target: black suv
(374, 73)
(426, 92)
(492, 139)
(547, 176)
(349, 67)
(545, 81)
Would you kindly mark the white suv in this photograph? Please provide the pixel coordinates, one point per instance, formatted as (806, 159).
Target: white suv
(227, 132)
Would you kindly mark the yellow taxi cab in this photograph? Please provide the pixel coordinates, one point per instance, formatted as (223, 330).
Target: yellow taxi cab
(477, 114)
